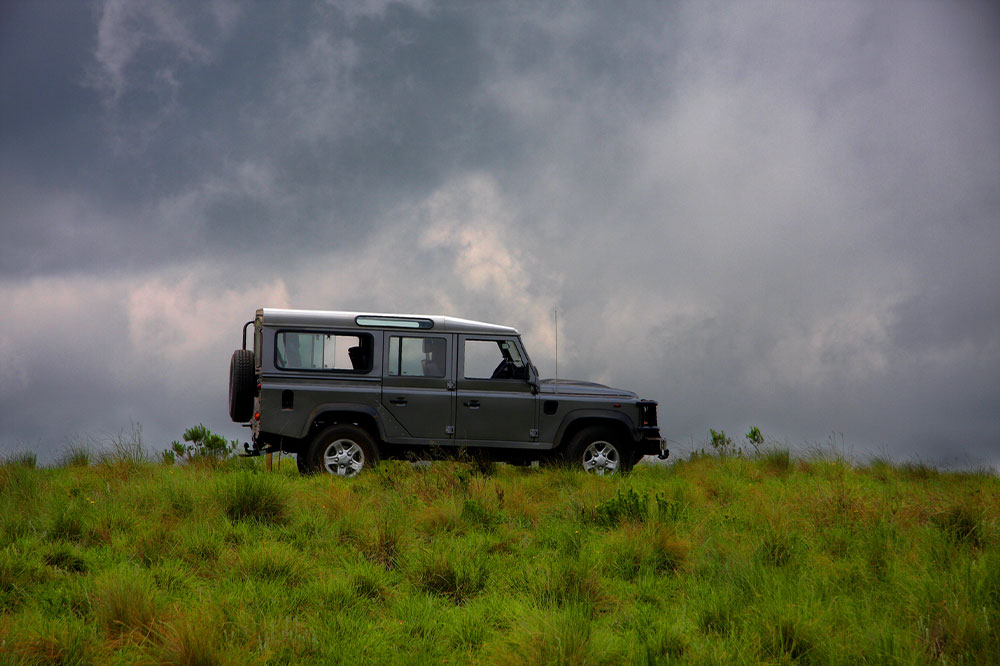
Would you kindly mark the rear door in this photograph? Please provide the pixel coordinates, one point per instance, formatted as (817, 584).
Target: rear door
(418, 379)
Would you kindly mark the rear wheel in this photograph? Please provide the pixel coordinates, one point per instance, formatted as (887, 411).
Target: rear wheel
(341, 450)
(600, 450)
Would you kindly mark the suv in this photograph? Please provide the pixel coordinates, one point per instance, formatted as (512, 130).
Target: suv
(343, 389)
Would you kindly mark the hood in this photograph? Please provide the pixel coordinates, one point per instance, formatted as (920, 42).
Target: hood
(575, 387)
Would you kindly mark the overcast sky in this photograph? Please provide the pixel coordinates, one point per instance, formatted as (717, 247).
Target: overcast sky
(780, 214)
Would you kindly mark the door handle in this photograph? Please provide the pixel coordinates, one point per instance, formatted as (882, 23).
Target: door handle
(472, 404)
(399, 401)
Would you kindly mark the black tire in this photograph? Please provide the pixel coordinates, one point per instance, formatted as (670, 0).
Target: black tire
(342, 450)
(242, 386)
(600, 450)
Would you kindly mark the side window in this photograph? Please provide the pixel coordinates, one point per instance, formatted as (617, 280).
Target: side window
(417, 357)
(296, 350)
(493, 359)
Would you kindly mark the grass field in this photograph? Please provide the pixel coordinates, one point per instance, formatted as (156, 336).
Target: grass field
(767, 559)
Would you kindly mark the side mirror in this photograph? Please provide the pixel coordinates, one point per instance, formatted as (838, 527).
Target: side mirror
(533, 378)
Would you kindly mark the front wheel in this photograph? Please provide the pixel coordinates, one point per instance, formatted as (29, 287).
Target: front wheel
(599, 450)
(342, 450)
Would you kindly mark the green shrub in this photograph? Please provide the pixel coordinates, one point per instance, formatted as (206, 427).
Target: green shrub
(670, 510)
(247, 495)
(202, 444)
(720, 442)
(628, 506)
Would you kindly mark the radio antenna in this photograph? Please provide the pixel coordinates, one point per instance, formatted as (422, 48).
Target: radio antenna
(555, 316)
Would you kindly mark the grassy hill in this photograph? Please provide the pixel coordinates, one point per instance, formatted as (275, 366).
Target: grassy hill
(710, 560)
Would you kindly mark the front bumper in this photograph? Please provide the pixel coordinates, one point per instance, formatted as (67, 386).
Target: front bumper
(651, 444)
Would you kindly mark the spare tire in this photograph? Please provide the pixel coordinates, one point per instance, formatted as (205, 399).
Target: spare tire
(242, 386)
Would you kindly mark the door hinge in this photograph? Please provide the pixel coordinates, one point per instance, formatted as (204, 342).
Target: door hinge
(449, 430)
(533, 432)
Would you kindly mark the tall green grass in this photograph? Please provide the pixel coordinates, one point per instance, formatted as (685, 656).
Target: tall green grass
(761, 559)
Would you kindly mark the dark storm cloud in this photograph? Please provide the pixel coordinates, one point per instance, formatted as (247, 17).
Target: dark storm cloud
(758, 213)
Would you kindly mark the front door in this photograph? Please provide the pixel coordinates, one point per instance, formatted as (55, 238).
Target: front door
(494, 399)
(417, 384)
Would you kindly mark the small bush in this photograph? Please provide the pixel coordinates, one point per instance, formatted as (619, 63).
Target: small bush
(720, 442)
(628, 506)
(670, 510)
(253, 496)
(202, 444)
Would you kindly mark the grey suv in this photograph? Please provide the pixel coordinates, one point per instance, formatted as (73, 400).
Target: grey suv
(343, 389)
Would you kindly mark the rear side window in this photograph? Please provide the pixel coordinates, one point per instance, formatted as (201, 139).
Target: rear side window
(417, 357)
(299, 350)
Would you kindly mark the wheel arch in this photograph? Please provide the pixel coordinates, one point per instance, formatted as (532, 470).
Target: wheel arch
(580, 419)
(364, 416)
